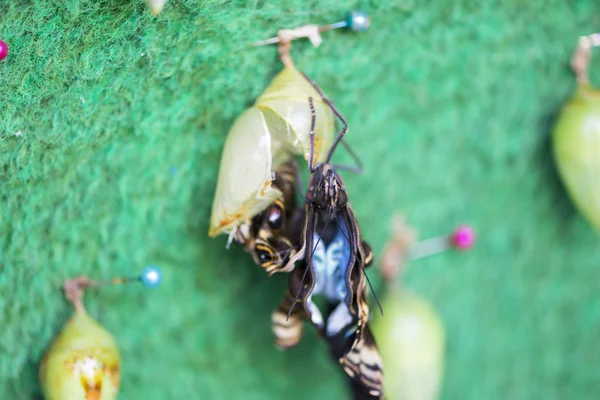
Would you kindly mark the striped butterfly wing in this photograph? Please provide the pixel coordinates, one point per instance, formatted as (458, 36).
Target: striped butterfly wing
(364, 367)
(362, 363)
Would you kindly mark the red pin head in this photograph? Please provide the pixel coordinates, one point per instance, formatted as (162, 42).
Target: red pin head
(463, 237)
(3, 50)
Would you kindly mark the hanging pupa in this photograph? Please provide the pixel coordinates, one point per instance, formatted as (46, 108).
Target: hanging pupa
(411, 340)
(83, 362)
(271, 132)
(576, 137)
(261, 139)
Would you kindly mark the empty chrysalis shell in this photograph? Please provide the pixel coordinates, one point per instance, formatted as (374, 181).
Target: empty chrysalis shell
(261, 139)
(82, 364)
(411, 340)
(285, 102)
(576, 144)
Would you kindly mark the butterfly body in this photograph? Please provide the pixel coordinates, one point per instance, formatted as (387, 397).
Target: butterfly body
(330, 266)
(330, 263)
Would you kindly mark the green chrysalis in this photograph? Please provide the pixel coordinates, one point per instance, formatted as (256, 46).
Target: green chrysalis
(264, 137)
(576, 139)
(83, 363)
(411, 341)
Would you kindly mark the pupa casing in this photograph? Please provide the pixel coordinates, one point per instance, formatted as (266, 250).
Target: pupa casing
(83, 363)
(576, 143)
(265, 136)
(411, 339)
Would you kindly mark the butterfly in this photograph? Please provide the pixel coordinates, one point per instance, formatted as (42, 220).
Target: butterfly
(330, 262)
(325, 258)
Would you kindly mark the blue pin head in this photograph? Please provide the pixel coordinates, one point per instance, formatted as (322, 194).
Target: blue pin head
(358, 21)
(151, 276)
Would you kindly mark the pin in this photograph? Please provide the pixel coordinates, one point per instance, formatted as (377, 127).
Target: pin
(462, 238)
(74, 288)
(583, 53)
(357, 21)
(402, 246)
(3, 50)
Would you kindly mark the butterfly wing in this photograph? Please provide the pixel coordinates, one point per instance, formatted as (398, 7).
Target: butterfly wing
(364, 367)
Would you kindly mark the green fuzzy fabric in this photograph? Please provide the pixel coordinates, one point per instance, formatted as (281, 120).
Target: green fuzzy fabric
(112, 124)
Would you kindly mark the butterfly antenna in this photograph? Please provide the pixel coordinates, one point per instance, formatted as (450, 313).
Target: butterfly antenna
(313, 123)
(297, 297)
(372, 291)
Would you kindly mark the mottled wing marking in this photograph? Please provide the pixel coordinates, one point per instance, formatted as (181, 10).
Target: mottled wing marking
(364, 365)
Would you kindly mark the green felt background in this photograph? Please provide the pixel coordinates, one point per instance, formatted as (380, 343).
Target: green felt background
(111, 127)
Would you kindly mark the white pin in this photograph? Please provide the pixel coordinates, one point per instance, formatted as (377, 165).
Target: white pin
(356, 21)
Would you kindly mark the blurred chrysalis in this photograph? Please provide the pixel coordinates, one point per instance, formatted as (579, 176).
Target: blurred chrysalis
(156, 6)
(411, 342)
(576, 138)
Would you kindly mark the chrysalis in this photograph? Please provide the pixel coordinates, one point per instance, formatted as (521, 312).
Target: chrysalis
(411, 340)
(261, 139)
(577, 150)
(156, 6)
(83, 362)
(576, 138)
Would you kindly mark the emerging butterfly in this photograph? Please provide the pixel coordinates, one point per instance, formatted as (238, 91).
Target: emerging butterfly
(330, 263)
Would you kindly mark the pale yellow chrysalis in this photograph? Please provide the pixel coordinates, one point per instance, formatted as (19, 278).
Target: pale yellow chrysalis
(576, 143)
(576, 136)
(156, 6)
(83, 363)
(411, 340)
(287, 97)
(261, 139)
